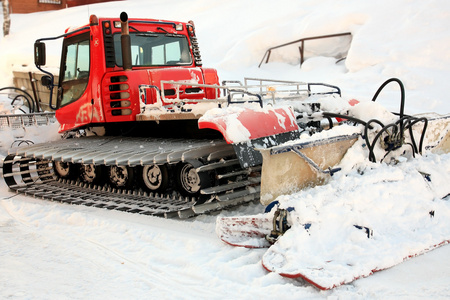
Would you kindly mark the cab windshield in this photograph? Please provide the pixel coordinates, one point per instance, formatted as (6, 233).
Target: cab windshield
(74, 74)
(155, 49)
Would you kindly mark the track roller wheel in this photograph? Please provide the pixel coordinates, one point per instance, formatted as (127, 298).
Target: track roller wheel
(65, 169)
(188, 180)
(91, 173)
(155, 177)
(121, 176)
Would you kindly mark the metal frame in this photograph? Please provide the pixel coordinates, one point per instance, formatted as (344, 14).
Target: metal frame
(301, 47)
(264, 89)
(297, 147)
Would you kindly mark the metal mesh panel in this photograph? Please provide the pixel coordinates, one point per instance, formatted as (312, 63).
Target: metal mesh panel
(26, 120)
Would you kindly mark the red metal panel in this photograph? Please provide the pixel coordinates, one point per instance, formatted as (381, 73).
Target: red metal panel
(258, 123)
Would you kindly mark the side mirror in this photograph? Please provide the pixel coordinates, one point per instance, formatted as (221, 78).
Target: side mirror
(39, 54)
(47, 81)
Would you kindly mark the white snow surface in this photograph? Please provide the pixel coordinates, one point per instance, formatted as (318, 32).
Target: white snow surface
(56, 251)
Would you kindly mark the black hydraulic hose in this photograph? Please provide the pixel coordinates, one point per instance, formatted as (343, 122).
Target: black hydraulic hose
(422, 137)
(20, 142)
(409, 126)
(26, 99)
(407, 120)
(333, 115)
(366, 138)
(409, 123)
(27, 96)
(402, 91)
(402, 98)
(395, 139)
(372, 146)
(330, 122)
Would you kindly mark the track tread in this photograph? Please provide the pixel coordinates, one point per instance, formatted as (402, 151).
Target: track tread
(37, 178)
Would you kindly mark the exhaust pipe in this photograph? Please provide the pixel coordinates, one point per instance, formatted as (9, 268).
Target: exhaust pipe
(125, 42)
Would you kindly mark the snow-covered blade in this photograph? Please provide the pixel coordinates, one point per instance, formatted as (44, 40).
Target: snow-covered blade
(310, 160)
(407, 209)
(286, 171)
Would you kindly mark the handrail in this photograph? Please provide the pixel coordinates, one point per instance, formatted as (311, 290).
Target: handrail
(265, 90)
(301, 47)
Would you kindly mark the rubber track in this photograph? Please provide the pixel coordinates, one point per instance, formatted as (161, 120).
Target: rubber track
(127, 201)
(37, 178)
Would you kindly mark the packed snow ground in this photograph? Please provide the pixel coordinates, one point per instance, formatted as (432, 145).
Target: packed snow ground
(59, 251)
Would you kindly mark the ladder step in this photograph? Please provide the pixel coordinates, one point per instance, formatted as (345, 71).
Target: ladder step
(217, 165)
(230, 186)
(242, 172)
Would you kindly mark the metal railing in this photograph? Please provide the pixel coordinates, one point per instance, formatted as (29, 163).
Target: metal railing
(301, 47)
(262, 90)
(27, 120)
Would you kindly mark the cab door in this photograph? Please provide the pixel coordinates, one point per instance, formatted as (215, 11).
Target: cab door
(74, 106)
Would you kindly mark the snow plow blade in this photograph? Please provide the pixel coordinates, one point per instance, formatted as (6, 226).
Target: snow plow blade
(294, 166)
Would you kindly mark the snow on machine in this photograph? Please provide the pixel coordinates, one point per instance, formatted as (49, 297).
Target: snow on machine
(352, 200)
(147, 129)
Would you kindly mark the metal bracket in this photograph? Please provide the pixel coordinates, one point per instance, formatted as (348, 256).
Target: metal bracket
(314, 165)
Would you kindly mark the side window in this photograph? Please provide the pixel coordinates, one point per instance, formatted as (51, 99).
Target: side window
(76, 71)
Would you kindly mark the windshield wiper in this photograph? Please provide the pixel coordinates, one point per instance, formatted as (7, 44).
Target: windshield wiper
(162, 29)
(168, 33)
